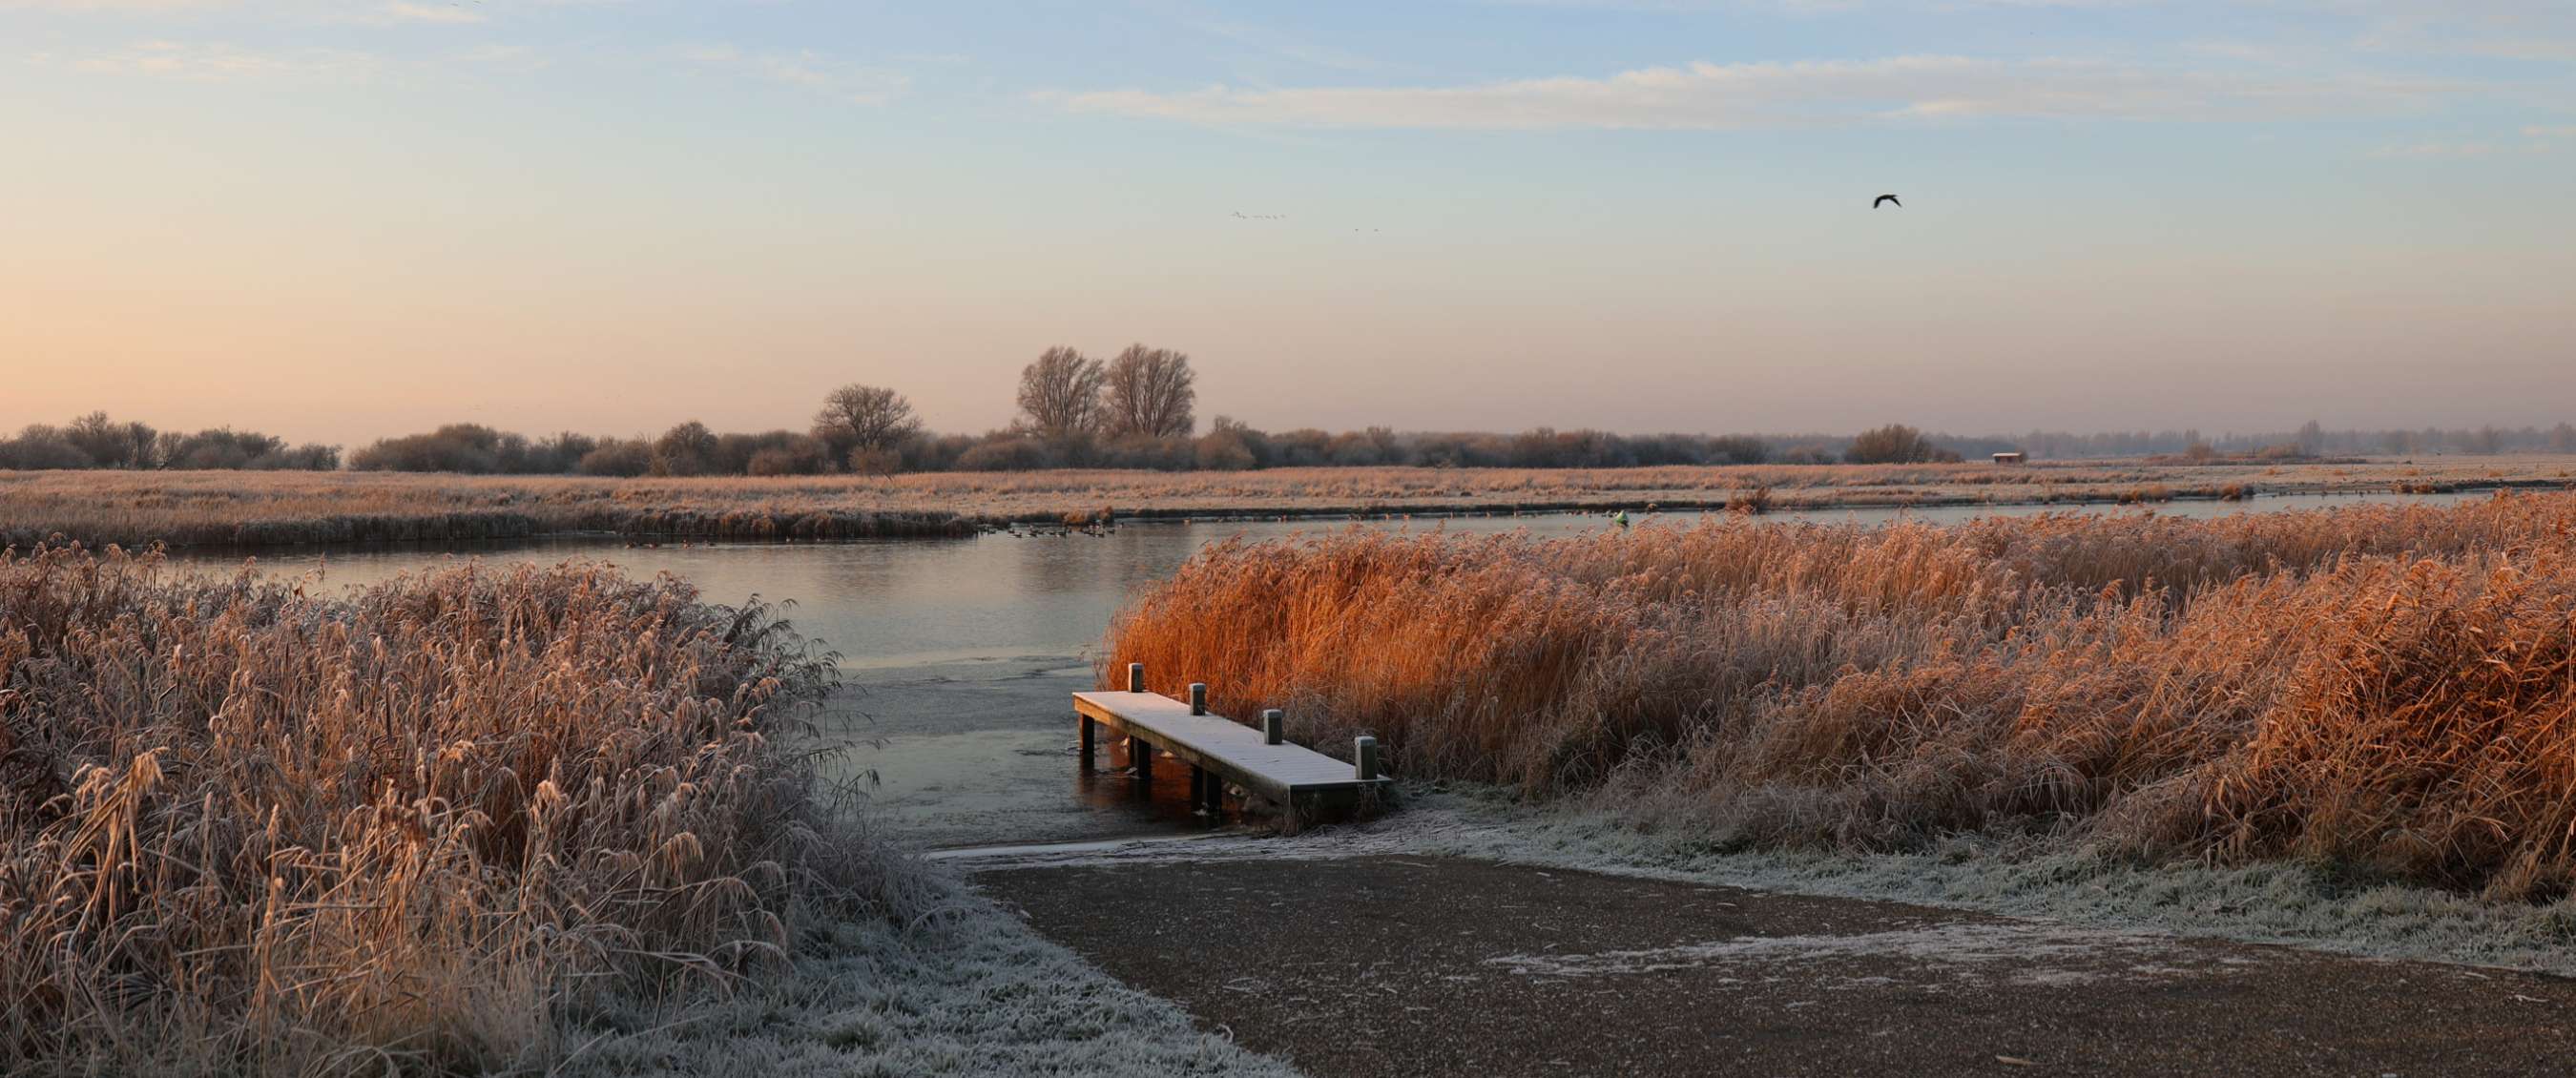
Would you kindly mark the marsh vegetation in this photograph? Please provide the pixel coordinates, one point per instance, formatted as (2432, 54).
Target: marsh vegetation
(2382, 688)
(469, 821)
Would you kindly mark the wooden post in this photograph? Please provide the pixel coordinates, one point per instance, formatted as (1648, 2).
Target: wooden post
(1135, 677)
(1141, 755)
(1089, 736)
(1364, 752)
(1274, 727)
(1198, 787)
(1198, 698)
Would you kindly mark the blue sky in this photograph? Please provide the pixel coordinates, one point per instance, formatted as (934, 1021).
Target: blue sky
(336, 220)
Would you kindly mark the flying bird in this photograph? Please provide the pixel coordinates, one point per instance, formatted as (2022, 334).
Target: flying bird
(1885, 198)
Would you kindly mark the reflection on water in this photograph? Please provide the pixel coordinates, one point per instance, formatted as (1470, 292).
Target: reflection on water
(905, 602)
(1113, 787)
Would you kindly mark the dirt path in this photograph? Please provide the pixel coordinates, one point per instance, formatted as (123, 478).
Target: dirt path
(1435, 966)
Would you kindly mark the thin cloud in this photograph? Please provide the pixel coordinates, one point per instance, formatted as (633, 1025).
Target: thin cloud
(1793, 94)
(805, 69)
(221, 62)
(450, 14)
(2439, 149)
(2536, 139)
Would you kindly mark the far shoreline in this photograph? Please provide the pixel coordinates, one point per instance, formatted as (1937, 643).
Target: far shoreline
(252, 511)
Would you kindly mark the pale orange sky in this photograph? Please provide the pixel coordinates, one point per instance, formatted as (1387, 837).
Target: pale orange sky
(561, 217)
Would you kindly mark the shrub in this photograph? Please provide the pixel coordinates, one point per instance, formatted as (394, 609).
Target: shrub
(804, 458)
(1896, 443)
(624, 458)
(1223, 451)
(1006, 455)
(42, 448)
(877, 461)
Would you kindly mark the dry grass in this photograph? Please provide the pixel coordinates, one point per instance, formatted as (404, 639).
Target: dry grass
(2387, 689)
(264, 508)
(427, 828)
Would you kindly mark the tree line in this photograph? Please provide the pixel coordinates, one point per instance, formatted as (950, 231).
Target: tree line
(96, 441)
(1137, 409)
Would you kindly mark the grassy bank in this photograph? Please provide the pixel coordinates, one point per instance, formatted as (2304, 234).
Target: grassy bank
(2391, 690)
(256, 509)
(456, 823)
(251, 509)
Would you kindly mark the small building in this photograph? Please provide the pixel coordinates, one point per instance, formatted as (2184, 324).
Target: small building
(2009, 458)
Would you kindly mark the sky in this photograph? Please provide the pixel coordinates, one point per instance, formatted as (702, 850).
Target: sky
(335, 220)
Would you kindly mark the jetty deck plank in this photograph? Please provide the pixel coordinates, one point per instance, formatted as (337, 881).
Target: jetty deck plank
(1289, 775)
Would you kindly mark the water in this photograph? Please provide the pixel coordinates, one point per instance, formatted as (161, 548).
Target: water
(893, 604)
(960, 653)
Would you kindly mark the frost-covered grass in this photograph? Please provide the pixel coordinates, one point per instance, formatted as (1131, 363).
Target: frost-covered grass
(480, 821)
(2280, 902)
(970, 990)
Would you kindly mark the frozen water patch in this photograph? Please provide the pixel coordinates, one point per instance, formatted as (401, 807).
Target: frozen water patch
(2278, 903)
(1023, 854)
(1969, 953)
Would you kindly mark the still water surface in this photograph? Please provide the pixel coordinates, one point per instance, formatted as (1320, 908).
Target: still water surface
(912, 602)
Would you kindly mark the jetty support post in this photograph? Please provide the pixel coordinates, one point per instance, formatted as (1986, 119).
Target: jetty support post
(1364, 757)
(1198, 698)
(1135, 677)
(1274, 727)
(1090, 736)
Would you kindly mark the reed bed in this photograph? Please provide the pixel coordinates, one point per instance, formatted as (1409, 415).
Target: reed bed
(434, 827)
(252, 509)
(2387, 690)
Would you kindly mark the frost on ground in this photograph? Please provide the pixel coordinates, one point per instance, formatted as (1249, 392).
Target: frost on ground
(1963, 953)
(970, 991)
(2281, 903)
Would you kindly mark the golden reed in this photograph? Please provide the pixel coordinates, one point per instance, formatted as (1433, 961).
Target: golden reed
(2390, 689)
(421, 829)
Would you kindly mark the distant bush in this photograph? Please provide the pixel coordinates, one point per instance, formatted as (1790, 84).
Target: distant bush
(474, 449)
(1223, 451)
(803, 458)
(42, 448)
(1016, 454)
(302, 458)
(877, 460)
(1169, 453)
(226, 448)
(1896, 443)
(623, 459)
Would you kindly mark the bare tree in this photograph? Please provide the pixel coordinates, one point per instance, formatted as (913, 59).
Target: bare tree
(102, 439)
(857, 417)
(1060, 393)
(1150, 393)
(687, 449)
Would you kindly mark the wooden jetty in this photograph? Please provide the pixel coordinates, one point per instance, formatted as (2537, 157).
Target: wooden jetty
(1297, 780)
